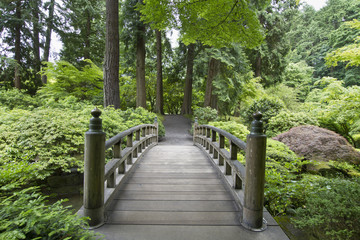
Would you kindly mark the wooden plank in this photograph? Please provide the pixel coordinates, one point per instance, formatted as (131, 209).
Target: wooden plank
(176, 160)
(177, 232)
(171, 218)
(171, 187)
(175, 170)
(174, 175)
(170, 167)
(170, 195)
(192, 181)
(174, 206)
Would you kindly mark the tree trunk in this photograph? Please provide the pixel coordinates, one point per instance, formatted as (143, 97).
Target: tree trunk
(18, 25)
(87, 35)
(36, 41)
(50, 26)
(140, 67)
(186, 106)
(214, 66)
(111, 65)
(159, 108)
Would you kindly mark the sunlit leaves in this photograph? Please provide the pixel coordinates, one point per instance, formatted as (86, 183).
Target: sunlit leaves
(213, 22)
(349, 53)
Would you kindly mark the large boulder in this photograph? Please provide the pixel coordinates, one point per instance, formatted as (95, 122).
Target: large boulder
(320, 144)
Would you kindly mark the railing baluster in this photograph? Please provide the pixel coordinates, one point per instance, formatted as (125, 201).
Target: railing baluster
(227, 168)
(111, 181)
(117, 154)
(129, 143)
(237, 182)
(117, 150)
(221, 146)
(233, 151)
(213, 139)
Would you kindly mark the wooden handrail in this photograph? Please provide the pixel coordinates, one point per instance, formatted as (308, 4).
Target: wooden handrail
(223, 158)
(102, 181)
(247, 184)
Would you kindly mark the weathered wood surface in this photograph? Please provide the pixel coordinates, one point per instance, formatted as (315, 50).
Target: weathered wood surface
(176, 193)
(193, 197)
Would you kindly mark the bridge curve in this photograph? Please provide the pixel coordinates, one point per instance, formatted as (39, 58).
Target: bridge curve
(176, 192)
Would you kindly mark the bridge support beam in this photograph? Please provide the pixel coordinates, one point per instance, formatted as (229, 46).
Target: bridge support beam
(255, 177)
(94, 171)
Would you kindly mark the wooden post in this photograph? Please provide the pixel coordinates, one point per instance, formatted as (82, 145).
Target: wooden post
(94, 171)
(255, 176)
(195, 130)
(156, 129)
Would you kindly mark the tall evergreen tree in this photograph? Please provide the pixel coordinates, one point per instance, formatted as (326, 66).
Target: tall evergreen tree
(111, 65)
(133, 35)
(82, 31)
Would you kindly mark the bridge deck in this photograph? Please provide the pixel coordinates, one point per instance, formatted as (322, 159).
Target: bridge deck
(176, 193)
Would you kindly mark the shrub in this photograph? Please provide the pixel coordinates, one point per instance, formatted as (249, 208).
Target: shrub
(237, 129)
(53, 138)
(286, 120)
(283, 188)
(15, 98)
(205, 115)
(268, 106)
(65, 79)
(287, 95)
(24, 215)
(332, 209)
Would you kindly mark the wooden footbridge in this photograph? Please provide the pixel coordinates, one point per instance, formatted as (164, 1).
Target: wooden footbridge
(183, 187)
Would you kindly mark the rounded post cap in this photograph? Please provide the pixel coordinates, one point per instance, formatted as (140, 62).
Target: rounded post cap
(95, 121)
(196, 120)
(257, 124)
(96, 112)
(257, 116)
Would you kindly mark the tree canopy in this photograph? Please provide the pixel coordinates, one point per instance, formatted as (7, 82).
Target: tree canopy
(214, 23)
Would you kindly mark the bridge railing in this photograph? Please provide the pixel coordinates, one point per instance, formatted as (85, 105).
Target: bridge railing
(247, 183)
(102, 181)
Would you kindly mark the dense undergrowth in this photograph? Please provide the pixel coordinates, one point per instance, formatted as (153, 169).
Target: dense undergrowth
(41, 137)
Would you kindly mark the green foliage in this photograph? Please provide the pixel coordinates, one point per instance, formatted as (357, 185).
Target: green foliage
(205, 115)
(173, 96)
(286, 120)
(82, 30)
(17, 174)
(349, 53)
(283, 191)
(287, 95)
(237, 129)
(51, 137)
(64, 79)
(268, 106)
(332, 209)
(233, 77)
(14, 98)
(299, 77)
(214, 23)
(25, 215)
(336, 106)
(269, 59)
